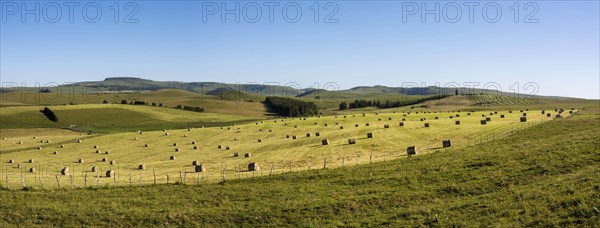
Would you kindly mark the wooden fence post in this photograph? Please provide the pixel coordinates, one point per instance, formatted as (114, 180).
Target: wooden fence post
(154, 173)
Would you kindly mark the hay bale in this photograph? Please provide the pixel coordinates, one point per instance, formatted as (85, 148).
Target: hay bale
(94, 169)
(341, 127)
(39, 148)
(523, 119)
(31, 160)
(483, 122)
(401, 124)
(172, 157)
(11, 161)
(351, 141)
(294, 137)
(543, 112)
(524, 114)
(370, 135)
(64, 171)
(107, 152)
(457, 115)
(32, 170)
(437, 118)
(113, 162)
(62, 146)
(247, 155)
(355, 125)
(259, 140)
(79, 141)
(253, 167)
(19, 165)
(227, 148)
(287, 136)
(325, 142)
(147, 145)
(96, 147)
(199, 168)
(219, 146)
(488, 119)
(457, 122)
(195, 147)
(308, 135)
(236, 154)
(104, 159)
(386, 126)
(426, 124)
(411, 150)
(167, 134)
(141, 167)
(502, 116)
(446, 143)
(176, 149)
(367, 124)
(548, 115)
(110, 173)
(451, 117)
(195, 162)
(20, 142)
(317, 134)
(55, 152)
(174, 144)
(468, 113)
(97, 151)
(326, 125)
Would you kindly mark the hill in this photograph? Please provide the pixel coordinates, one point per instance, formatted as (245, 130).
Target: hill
(543, 176)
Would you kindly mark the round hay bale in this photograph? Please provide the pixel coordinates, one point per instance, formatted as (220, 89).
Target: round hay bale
(20, 142)
(166, 134)
(110, 173)
(47, 141)
(351, 141)
(488, 119)
(94, 169)
(62, 146)
(341, 127)
(308, 135)
(227, 148)
(11, 161)
(31, 160)
(219, 146)
(446, 143)
(107, 152)
(64, 171)
(32, 170)
(259, 140)
(39, 148)
(174, 144)
(437, 118)
(317, 134)
(176, 149)
(294, 137)
(79, 141)
(104, 159)
(185, 135)
(141, 167)
(523, 119)
(483, 122)
(195, 147)
(96, 147)
(253, 167)
(80, 161)
(113, 162)
(34, 137)
(147, 145)
(386, 126)
(548, 115)
(200, 168)
(325, 142)
(236, 154)
(367, 124)
(370, 135)
(356, 125)
(411, 150)
(457, 122)
(172, 157)
(247, 155)
(55, 152)
(401, 124)
(195, 162)
(426, 124)
(287, 136)
(193, 142)
(502, 116)
(19, 165)
(524, 114)
(326, 125)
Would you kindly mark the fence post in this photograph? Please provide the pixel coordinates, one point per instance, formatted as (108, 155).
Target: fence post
(325, 163)
(130, 180)
(154, 173)
(85, 181)
(57, 180)
(371, 158)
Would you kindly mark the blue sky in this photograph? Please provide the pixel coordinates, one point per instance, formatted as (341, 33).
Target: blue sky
(369, 45)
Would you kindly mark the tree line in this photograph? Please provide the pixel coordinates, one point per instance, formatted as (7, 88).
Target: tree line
(387, 104)
(182, 107)
(291, 107)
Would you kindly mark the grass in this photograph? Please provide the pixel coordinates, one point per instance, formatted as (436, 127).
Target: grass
(128, 148)
(543, 176)
(111, 118)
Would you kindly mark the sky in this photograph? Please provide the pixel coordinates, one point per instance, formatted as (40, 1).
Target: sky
(537, 47)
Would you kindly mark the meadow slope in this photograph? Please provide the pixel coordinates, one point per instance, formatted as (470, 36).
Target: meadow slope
(543, 176)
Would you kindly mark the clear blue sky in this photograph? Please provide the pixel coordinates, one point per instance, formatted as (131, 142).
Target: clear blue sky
(370, 45)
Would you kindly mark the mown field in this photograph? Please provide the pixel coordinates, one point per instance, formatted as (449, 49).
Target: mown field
(275, 152)
(545, 175)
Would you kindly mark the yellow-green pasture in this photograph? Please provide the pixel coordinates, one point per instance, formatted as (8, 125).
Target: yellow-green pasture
(275, 153)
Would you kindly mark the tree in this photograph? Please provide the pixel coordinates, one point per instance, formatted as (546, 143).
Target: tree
(105, 102)
(124, 102)
(49, 114)
(456, 92)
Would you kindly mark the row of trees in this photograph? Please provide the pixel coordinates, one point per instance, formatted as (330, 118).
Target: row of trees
(182, 107)
(387, 104)
(291, 107)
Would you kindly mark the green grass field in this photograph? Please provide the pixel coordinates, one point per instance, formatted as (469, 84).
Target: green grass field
(112, 118)
(545, 175)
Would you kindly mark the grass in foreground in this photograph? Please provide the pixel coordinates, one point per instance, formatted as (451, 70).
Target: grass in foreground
(544, 176)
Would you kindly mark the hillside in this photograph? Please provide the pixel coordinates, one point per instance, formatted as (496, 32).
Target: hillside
(543, 176)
